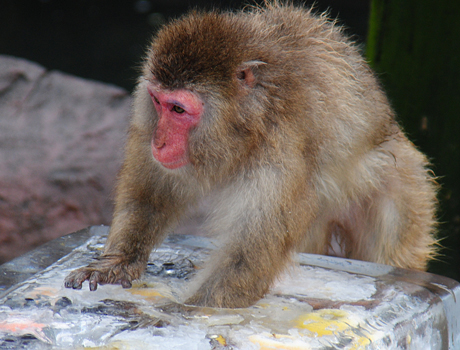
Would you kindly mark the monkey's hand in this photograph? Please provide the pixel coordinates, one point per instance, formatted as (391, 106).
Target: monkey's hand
(108, 269)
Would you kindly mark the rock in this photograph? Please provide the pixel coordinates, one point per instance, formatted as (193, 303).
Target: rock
(61, 142)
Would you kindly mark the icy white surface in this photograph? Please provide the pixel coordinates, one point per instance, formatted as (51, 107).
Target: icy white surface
(308, 308)
(316, 282)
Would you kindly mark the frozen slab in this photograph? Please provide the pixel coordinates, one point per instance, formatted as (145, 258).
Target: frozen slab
(321, 303)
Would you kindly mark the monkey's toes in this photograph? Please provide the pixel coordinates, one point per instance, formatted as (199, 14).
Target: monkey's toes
(200, 300)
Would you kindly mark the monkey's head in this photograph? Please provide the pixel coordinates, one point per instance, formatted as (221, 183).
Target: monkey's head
(201, 74)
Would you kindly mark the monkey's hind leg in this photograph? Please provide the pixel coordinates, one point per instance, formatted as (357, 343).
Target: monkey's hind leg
(394, 225)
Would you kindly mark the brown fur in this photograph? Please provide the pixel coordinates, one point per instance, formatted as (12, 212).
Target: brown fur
(297, 142)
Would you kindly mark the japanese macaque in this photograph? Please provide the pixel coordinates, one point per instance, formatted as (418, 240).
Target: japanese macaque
(275, 113)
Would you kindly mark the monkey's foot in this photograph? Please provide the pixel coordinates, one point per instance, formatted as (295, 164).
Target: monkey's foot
(221, 299)
(103, 271)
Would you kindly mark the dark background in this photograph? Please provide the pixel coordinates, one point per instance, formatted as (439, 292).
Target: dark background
(105, 40)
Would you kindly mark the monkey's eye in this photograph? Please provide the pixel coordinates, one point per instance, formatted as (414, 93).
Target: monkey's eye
(178, 109)
(155, 99)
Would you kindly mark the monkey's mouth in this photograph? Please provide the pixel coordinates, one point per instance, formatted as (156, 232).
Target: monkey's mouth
(168, 157)
(176, 164)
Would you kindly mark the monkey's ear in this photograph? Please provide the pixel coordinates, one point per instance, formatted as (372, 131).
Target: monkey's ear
(245, 73)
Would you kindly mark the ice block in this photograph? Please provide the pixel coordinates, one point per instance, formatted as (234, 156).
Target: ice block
(320, 303)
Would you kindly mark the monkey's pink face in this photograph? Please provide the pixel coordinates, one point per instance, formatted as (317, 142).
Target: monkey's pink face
(179, 111)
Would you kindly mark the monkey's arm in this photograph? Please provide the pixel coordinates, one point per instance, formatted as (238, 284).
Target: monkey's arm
(145, 206)
(263, 224)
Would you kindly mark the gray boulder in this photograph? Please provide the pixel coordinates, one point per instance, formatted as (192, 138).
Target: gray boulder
(61, 141)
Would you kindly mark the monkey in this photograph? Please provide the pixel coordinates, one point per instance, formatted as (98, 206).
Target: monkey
(273, 112)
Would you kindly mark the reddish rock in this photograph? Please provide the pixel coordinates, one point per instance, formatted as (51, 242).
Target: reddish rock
(61, 141)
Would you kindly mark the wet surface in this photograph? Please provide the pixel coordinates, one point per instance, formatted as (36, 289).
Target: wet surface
(322, 303)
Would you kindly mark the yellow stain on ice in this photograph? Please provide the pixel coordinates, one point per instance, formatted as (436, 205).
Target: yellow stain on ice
(329, 322)
(263, 305)
(361, 343)
(221, 340)
(324, 322)
(149, 293)
(145, 291)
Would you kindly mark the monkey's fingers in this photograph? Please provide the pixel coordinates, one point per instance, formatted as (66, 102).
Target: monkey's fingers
(96, 277)
(76, 278)
(125, 283)
(93, 279)
(103, 278)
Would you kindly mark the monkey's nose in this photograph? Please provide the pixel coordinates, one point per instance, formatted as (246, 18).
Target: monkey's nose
(159, 138)
(159, 143)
